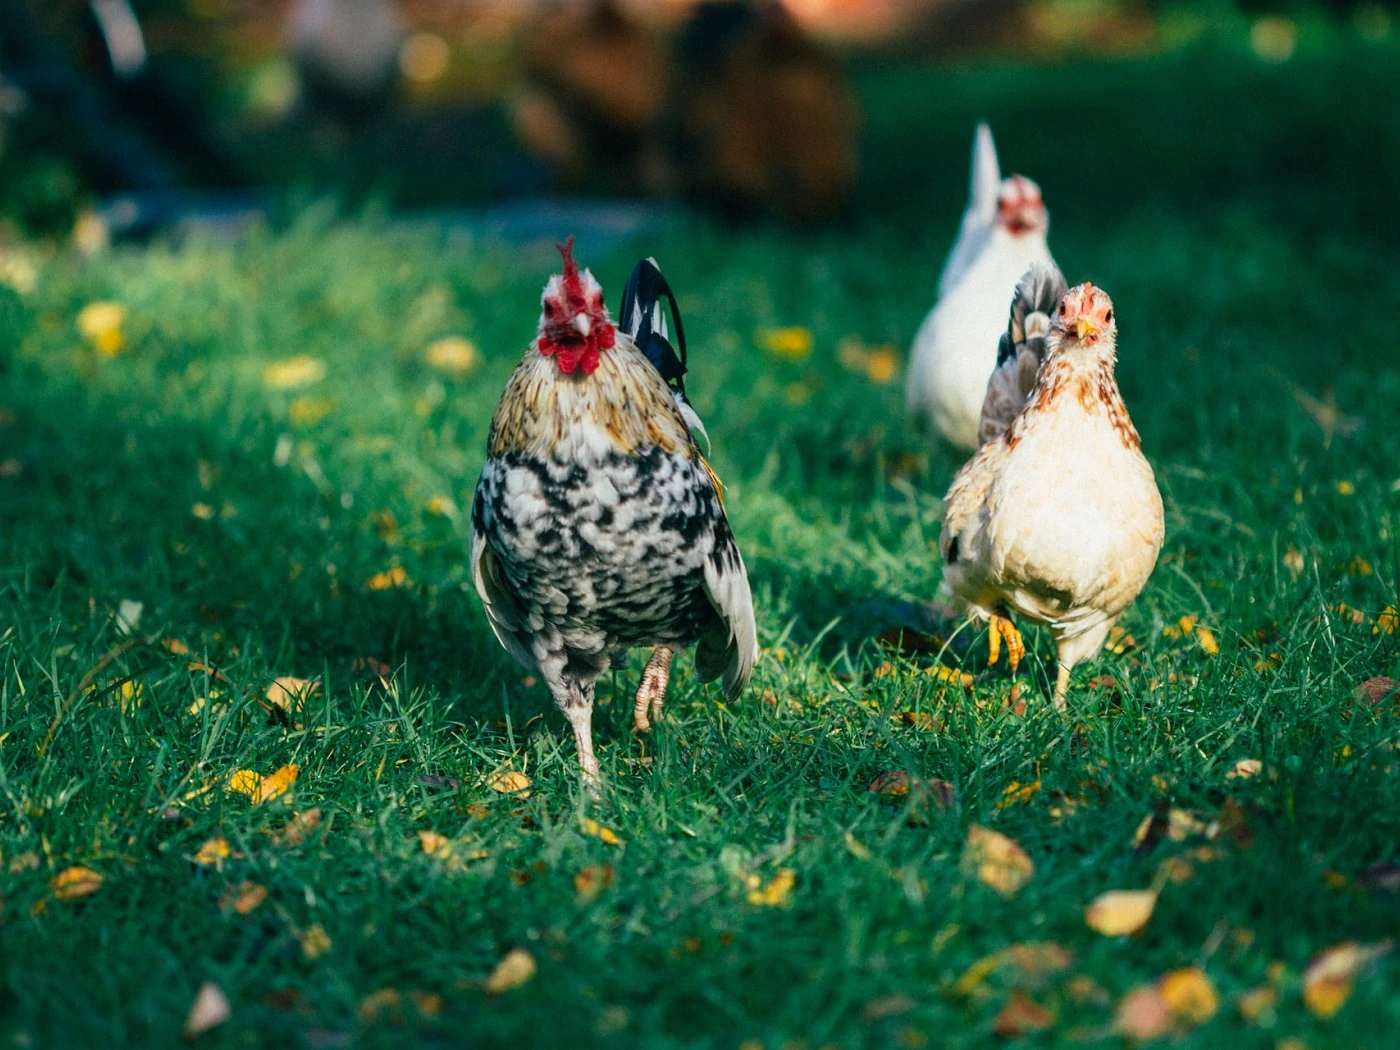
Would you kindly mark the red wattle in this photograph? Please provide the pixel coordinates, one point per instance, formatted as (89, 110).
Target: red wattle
(583, 355)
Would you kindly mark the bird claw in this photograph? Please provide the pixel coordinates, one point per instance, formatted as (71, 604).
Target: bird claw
(1001, 628)
(651, 694)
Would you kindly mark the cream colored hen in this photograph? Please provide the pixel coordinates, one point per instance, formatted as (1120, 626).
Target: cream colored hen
(1057, 515)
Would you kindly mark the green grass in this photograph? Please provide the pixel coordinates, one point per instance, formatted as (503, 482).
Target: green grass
(1238, 218)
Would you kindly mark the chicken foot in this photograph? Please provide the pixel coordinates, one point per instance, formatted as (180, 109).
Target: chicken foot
(651, 694)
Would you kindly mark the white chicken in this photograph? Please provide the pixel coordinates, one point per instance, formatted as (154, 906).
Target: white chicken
(1003, 234)
(1057, 516)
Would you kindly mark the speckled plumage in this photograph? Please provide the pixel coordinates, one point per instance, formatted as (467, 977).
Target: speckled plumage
(598, 527)
(1058, 516)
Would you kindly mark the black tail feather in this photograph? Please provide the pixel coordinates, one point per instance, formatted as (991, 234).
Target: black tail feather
(641, 318)
(1038, 292)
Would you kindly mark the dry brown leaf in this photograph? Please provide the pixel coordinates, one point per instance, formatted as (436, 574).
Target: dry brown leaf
(516, 968)
(997, 860)
(212, 852)
(592, 881)
(76, 881)
(1020, 1015)
(1375, 691)
(510, 782)
(210, 1009)
(1119, 912)
(894, 783)
(1143, 1014)
(299, 827)
(1189, 994)
(1328, 979)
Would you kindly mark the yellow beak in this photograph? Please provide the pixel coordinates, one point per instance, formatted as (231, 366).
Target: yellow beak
(1083, 326)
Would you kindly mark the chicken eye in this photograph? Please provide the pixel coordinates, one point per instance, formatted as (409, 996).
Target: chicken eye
(1108, 317)
(1063, 310)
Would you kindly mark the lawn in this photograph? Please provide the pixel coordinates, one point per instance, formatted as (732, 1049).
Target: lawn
(271, 466)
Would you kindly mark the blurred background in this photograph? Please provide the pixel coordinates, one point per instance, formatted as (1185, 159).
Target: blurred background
(122, 117)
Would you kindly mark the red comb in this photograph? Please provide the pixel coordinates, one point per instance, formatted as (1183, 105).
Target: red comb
(572, 285)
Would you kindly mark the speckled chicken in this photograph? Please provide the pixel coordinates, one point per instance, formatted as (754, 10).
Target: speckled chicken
(598, 525)
(1057, 515)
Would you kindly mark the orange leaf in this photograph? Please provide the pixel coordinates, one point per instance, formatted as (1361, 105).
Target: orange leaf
(76, 881)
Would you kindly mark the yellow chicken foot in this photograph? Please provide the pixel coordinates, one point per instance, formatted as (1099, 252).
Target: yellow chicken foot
(1001, 628)
(652, 692)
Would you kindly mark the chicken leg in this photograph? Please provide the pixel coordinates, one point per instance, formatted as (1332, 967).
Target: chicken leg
(1000, 628)
(651, 694)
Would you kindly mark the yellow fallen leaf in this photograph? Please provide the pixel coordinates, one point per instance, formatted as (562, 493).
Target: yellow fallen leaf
(76, 881)
(515, 969)
(774, 893)
(386, 1000)
(435, 845)
(1346, 488)
(1255, 1005)
(314, 941)
(1189, 994)
(308, 411)
(244, 782)
(1205, 638)
(1120, 911)
(1387, 622)
(175, 646)
(388, 579)
(510, 782)
(289, 693)
(213, 851)
(592, 827)
(101, 325)
(441, 506)
(203, 511)
(1244, 769)
(429, 1004)
(1293, 561)
(275, 784)
(1328, 979)
(210, 1009)
(1017, 793)
(299, 371)
(454, 355)
(997, 860)
(882, 365)
(794, 343)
